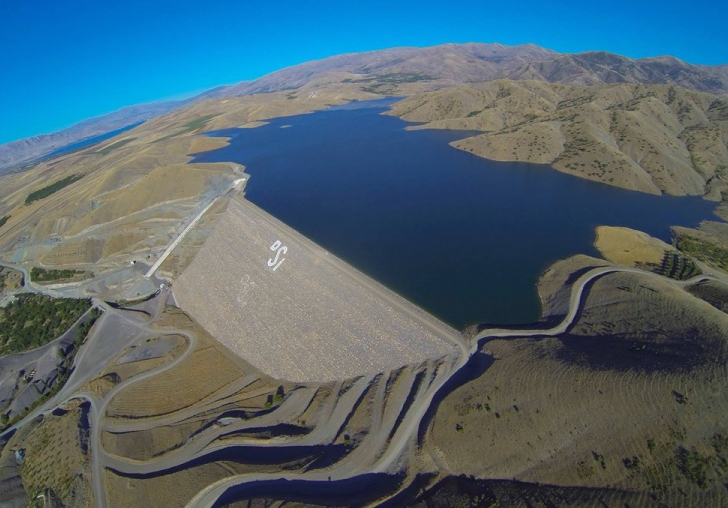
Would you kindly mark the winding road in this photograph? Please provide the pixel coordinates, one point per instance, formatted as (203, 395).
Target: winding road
(414, 419)
(391, 434)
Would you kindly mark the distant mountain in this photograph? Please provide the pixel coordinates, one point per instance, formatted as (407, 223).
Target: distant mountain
(599, 67)
(439, 66)
(23, 151)
(449, 63)
(472, 63)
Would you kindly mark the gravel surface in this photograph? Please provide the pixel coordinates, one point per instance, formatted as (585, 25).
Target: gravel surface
(156, 348)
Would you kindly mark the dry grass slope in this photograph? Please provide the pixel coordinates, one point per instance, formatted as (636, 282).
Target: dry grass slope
(206, 371)
(651, 138)
(594, 408)
(56, 458)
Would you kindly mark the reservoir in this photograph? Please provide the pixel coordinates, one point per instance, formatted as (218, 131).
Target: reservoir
(85, 143)
(462, 237)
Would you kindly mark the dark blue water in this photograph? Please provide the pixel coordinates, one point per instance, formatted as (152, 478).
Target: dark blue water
(463, 237)
(84, 143)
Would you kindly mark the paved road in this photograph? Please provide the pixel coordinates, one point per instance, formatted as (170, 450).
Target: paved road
(86, 369)
(98, 408)
(29, 285)
(236, 185)
(59, 290)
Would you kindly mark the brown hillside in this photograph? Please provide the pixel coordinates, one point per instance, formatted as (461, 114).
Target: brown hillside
(651, 138)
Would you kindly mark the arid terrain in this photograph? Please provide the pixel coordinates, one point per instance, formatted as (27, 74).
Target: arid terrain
(650, 138)
(427, 68)
(216, 357)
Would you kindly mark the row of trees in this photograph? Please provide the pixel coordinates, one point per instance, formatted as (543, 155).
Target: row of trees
(43, 275)
(52, 188)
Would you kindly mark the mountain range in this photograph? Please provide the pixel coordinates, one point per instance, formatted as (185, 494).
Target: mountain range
(434, 68)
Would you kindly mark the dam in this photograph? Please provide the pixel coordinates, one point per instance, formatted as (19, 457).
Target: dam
(462, 237)
(297, 312)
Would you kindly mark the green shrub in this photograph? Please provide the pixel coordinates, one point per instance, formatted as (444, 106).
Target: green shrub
(704, 251)
(43, 275)
(693, 466)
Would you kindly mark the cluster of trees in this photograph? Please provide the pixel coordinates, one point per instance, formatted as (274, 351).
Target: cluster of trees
(85, 327)
(65, 368)
(43, 275)
(678, 267)
(3, 220)
(50, 189)
(34, 320)
(708, 252)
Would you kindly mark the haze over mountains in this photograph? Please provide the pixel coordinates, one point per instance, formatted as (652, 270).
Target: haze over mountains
(24, 150)
(433, 68)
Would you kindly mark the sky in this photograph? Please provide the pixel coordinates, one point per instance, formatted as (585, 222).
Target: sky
(64, 61)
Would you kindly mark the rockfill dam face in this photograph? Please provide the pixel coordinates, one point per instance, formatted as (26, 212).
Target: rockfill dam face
(297, 312)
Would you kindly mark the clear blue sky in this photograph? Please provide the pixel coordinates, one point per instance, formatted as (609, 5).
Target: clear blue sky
(64, 61)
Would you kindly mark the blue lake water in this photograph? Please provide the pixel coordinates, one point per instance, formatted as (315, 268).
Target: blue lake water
(84, 143)
(463, 237)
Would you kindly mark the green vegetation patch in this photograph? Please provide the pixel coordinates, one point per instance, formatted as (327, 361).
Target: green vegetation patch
(718, 110)
(382, 83)
(693, 466)
(374, 88)
(676, 266)
(189, 127)
(402, 77)
(199, 122)
(503, 93)
(43, 275)
(392, 78)
(578, 101)
(51, 189)
(705, 251)
(3, 220)
(34, 320)
(65, 368)
(114, 146)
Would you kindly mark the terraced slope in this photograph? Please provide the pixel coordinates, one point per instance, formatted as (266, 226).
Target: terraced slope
(628, 399)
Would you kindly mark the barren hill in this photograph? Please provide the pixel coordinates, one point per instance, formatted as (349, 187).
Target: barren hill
(449, 64)
(651, 138)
